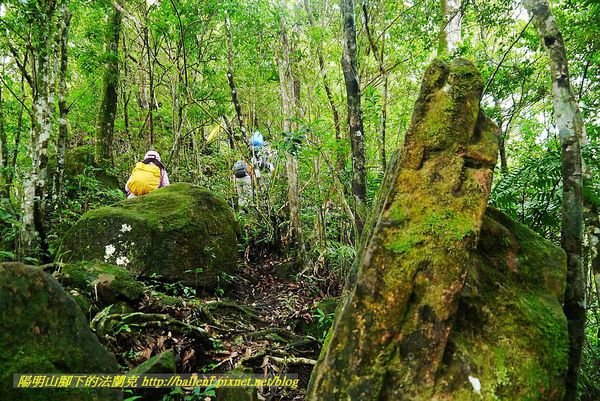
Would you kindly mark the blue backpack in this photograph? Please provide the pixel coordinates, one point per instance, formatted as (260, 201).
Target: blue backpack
(256, 140)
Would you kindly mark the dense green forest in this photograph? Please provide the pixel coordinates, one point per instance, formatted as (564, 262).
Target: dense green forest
(326, 103)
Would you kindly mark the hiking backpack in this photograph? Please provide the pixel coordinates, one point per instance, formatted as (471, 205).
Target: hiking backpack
(256, 140)
(144, 178)
(240, 169)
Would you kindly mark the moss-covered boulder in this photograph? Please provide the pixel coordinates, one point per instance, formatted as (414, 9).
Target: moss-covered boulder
(510, 334)
(101, 282)
(180, 233)
(42, 330)
(392, 337)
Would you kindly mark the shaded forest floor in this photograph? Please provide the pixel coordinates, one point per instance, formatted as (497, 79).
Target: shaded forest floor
(265, 321)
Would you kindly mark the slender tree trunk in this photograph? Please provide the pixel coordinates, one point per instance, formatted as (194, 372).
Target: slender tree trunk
(571, 131)
(501, 138)
(151, 94)
(450, 32)
(231, 81)
(144, 100)
(13, 162)
(108, 106)
(4, 188)
(179, 90)
(33, 235)
(355, 119)
(147, 79)
(63, 109)
(125, 94)
(378, 55)
(289, 101)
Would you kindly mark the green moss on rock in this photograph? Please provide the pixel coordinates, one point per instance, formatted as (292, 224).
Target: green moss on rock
(180, 232)
(42, 330)
(101, 282)
(398, 335)
(510, 332)
(80, 160)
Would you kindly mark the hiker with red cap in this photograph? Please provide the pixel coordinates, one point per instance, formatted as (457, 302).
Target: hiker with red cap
(147, 175)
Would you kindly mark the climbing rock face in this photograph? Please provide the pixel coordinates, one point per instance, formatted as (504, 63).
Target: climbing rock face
(42, 330)
(391, 336)
(180, 233)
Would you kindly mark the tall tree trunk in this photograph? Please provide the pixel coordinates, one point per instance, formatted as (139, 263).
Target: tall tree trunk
(147, 79)
(231, 81)
(571, 132)
(355, 118)
(289, 101)
(13, 162)
(450, 32)
(125, 94)
(63, 109)
(179, 91)
(501, 137)
(151, 95)
(108, 106)
(4, 188)
(33, 239)
(378, 55)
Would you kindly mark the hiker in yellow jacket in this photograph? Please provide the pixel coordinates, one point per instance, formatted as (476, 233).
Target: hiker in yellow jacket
(147, 176)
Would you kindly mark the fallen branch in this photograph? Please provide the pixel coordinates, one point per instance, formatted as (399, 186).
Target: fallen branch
(291, 360)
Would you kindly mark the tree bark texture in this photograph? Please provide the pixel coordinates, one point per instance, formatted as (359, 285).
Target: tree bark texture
(63, 109)
(108, 106)
(571, 132)
(450, 32)
(289, 102)
(355, 118)
(33, 236)
(230, 79)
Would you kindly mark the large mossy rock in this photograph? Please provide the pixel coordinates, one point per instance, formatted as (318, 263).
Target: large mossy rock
(510, 334)
(180, 232)
(42, 330)
(391, 338)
